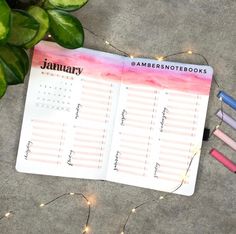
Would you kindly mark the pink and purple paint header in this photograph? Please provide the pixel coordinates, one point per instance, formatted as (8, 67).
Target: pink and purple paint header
(164, 75)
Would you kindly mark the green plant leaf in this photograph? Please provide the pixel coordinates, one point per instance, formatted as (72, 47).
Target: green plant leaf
(66, 29)
(41, 16)
(48, 6)
(3, 83)
(5, 17)
(15, 65)
(24, 28)
(68, 5)
(23, 58)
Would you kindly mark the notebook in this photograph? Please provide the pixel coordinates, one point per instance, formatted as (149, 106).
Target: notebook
(96, 115)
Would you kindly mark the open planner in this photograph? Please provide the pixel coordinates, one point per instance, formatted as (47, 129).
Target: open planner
(96, 115)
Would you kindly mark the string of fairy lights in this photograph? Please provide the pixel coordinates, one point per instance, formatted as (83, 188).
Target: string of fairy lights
(159, 58)
(88, 203)
(86, 227)
(134, 209)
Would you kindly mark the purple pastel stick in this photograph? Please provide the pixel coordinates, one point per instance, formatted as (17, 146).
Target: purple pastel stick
(226, 118)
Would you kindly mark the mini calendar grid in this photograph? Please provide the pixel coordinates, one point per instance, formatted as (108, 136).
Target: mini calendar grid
(96, 115)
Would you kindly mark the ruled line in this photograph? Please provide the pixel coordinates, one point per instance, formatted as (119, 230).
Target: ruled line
(43, 161)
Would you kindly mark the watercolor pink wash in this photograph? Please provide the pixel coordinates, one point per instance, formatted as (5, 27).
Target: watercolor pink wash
(119, 69)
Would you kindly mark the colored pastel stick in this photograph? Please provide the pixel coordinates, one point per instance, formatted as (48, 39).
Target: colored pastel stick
(227, 99)
(226, 118)
(225, 138)
(223, 159)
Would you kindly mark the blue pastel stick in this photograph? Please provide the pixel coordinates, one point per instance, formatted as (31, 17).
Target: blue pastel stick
(227, 99)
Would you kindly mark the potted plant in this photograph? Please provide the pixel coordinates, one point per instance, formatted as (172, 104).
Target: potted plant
(24, 23)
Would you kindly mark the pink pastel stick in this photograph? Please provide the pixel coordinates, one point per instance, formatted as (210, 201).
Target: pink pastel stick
(223, 159)
(225, 138)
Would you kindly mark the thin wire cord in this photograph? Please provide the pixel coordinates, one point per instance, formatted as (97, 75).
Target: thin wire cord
(163, 58)
(162, 197)
(73, 194)
(57, 198)
(108, 43)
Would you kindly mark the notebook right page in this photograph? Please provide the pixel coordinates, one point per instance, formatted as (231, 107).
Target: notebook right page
(159, 125)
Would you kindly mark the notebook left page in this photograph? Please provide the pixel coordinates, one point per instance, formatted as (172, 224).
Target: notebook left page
(69, 112)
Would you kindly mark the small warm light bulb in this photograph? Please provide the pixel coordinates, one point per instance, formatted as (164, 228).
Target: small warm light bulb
(161, 197)
(190, 52)
(7, 214)
(160, 58)
(131, 56)
(72, 194)
(133, 210)
(41, 205)
(49, 35)
(107, 42)
(88, 202)
(196, 150)
(122, 233)
(184, 177)
(86, 229)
